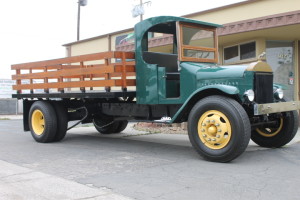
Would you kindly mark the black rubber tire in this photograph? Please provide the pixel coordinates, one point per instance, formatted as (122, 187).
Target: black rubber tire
(122, 125)
(237, 119)
(62, 121)
(288, 131)
(107, 126)
(49, 118)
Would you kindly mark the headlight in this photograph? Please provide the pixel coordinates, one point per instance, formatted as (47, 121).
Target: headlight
(278, 93)
(249, 94)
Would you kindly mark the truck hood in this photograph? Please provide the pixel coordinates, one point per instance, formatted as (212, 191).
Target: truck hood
(214, 71)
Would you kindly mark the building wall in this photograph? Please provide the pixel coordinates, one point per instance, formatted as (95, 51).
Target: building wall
(88, 47)
(255, 9)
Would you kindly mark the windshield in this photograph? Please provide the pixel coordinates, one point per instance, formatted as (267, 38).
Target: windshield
(198, 43)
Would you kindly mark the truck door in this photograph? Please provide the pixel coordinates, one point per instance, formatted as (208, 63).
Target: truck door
(162, 51)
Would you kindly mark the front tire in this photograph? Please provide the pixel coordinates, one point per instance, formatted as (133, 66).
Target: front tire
(219, 128)
(280, 134)
(42, 121)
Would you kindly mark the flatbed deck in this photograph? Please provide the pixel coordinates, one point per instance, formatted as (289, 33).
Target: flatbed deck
(81, 95)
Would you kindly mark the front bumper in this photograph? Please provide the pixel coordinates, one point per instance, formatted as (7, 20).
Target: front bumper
(268, 108)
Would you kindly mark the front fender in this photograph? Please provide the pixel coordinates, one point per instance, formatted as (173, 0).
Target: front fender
(200, 93)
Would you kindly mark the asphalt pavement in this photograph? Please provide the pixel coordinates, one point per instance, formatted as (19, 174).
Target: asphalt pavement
(138, 165)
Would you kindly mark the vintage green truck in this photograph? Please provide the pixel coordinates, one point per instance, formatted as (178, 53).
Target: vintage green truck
(224, 106)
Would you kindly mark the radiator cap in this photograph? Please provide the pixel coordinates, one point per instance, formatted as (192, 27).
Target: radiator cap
(259, 66)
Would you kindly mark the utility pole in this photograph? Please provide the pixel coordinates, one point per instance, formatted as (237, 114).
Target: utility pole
(138, 10)
(80, 3)
(141, 15)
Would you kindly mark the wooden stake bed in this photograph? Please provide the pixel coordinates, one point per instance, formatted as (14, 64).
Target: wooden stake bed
(77, 77)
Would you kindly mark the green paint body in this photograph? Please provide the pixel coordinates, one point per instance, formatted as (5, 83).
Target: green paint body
(195, 77)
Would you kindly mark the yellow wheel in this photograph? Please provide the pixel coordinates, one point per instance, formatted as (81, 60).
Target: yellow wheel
(279, 133)
(219, 128)
(214, 129)
(42, 121)
(38, 122)
(270, 131)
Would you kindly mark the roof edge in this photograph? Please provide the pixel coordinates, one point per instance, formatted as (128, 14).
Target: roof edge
(98, 37)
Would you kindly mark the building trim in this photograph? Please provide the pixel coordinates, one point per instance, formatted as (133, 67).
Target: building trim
(271, 21)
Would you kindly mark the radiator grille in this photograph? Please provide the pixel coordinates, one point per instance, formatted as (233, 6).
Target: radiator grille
(263, 87)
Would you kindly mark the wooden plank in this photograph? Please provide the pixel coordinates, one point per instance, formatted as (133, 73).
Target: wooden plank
(112, 75)
(31, 81)
(73, 59)
(123, 77)
(73, 84)
(18, 82)
(46, 90)
(129, 82)
(128, 55)
(82, 77)
(107, 75)
(65, 72)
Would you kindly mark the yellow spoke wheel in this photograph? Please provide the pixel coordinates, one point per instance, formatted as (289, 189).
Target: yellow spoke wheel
(214, 129)
(270, 132)
(38, 122)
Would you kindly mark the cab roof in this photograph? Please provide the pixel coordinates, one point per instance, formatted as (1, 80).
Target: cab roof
(148, 23)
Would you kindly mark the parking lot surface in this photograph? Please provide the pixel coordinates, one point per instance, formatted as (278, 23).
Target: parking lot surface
(137, 165)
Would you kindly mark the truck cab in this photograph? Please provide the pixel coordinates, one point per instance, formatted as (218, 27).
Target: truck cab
(161, 76)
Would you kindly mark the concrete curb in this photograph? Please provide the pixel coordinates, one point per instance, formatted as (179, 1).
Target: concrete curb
(11, 117)
(22, 183)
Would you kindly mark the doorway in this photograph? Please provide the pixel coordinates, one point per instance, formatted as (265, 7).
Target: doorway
(280, 56)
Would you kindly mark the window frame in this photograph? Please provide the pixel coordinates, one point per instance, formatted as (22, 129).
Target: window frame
(182, 47)
(239, 53)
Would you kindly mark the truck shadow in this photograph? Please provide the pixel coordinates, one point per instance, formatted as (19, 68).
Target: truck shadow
(173, 149)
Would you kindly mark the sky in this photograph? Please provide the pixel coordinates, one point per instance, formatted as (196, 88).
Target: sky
(33, 30)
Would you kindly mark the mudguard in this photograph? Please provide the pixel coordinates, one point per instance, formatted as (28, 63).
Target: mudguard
(226, 89)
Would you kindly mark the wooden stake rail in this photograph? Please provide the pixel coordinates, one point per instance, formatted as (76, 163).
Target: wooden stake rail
(64, 73)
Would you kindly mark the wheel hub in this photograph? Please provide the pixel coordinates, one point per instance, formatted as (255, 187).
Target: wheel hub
(270, 132)
(38, 122)
(214, 129)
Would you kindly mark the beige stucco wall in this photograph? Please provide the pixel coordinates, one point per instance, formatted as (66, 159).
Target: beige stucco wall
(252, 10)
(92, 46)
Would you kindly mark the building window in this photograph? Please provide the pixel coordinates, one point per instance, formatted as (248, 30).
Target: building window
(239, 52)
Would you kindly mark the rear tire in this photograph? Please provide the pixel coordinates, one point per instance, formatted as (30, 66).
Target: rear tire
(107, 126)
(122, 125)
(278, 136)
(62, 121)
(219, 128)
(42, 121)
